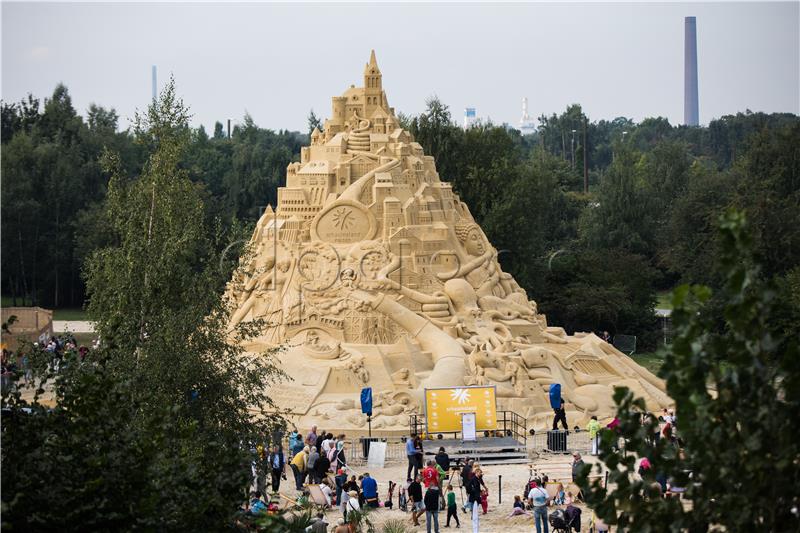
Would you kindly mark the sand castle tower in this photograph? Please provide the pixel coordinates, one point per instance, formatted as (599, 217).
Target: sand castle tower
(372, 272)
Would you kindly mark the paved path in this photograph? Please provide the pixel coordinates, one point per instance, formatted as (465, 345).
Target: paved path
(73, 326)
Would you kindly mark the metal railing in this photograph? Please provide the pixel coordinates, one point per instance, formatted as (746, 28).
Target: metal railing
(509, 424)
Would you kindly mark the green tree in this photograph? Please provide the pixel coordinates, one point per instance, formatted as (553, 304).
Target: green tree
(313, 122)
(154, 430)
(736, 392)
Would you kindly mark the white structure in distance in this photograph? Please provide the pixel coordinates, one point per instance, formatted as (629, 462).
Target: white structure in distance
(526, 124)
(470, 117)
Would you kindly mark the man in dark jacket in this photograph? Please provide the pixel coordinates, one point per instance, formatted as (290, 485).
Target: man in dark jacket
(432, 509)
(443, 460)
(560, 416)
(415, 495)
(276, 463)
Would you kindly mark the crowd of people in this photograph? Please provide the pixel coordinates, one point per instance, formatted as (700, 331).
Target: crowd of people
(58, 349)
(318, 464)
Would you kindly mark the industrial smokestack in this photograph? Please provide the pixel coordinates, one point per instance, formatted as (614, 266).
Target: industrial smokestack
(691, 113)
(155, 84)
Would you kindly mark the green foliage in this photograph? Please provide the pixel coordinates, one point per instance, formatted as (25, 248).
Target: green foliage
(736, 394)
(153, 431)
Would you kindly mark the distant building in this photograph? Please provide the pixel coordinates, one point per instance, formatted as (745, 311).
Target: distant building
(526, 124)
(470, 118)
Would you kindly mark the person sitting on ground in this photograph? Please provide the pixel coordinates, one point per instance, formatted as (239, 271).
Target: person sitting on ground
(319, 525)
(519, 508)
(569, 499)
(341, 527)
(415, 496)
(352, 501)
(257, 506)
(304, 498)
(560, 496)
(451, 506)
(351, 485)
(369, 489)
(326, 491)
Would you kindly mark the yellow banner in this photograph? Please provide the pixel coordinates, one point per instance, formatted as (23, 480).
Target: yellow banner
(443, 408)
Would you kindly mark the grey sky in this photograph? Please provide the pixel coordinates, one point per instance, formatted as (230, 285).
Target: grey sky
(277, 61)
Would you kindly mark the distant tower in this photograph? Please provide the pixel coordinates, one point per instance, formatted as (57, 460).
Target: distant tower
(691, 113)
(526, 125)
(469, 117)
(155, 84)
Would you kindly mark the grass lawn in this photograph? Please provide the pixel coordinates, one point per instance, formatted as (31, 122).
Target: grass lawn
(649, 360)
(69, 314)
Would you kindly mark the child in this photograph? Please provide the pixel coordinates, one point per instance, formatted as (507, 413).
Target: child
(519, 508)
(484, 501)
(402, 499)
(451, 506)
(560, 496)
(569, 499)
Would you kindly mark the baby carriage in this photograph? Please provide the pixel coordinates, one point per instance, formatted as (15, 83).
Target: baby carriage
(562, 522)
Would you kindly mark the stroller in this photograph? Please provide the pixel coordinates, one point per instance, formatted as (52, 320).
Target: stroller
(564, 522)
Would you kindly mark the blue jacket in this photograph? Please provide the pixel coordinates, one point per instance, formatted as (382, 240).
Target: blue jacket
(369, 487)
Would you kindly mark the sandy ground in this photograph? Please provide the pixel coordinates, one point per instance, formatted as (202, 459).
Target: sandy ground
(512, 477)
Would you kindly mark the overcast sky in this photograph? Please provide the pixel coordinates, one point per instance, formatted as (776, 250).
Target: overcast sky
(277, 61)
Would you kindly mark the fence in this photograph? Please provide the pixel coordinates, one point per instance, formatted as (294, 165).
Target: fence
(565, 442)
(509, 424)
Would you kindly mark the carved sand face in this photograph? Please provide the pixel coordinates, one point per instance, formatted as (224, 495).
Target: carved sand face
(474, 243)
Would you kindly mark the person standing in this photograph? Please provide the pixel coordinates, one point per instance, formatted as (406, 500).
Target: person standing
(418, 451)
(474, 497)
(538, 499)
(417, 505)
(560, 415)
(311, 464)
(577, 465)
(411, 452)
(295, 442)
(443, 460)
(594, 429)
(451, 506)
(432, 508)
(276, 463)
(311, 438)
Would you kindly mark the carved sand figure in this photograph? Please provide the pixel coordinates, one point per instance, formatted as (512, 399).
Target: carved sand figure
(372, 272)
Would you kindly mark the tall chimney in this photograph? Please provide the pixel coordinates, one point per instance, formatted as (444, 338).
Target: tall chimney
(691, 114)
(155, 84)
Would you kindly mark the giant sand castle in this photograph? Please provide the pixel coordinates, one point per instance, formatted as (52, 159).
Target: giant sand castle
(372, 272)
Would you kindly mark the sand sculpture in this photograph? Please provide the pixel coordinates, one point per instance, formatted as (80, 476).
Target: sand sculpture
(372, 272)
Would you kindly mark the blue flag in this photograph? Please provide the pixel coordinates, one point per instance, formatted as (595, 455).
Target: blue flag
(366, 401)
